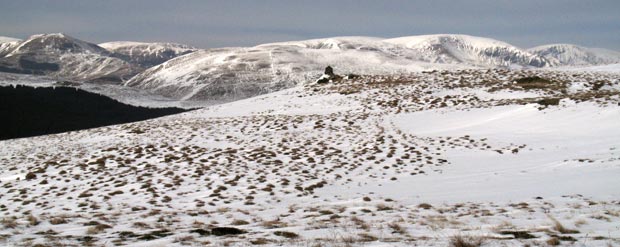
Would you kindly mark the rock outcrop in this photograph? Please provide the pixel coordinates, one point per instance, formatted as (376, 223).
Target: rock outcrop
(329, 76)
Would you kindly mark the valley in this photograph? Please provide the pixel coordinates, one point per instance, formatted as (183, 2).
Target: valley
(29, 111)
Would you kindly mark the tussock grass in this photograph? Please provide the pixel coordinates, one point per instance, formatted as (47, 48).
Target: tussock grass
(97, 229)
(466, 241)
(58, 220)
(425, 206)
(239, 222)
(9, 222)
(560, 228)
(33, 221)
(396, 228)
(286, 234)
(553, 241)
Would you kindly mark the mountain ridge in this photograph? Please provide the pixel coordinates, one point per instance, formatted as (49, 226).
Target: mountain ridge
(186, 73)
(146, 54)
(460, 48)
(62, 56)
(226, 73)
(575, 55)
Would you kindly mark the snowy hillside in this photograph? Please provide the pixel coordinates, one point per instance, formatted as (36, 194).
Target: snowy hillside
(465, 49)
(499, 157)
(198, 77)
(146, 54)
(233, 73)
(65, 57)
(4, 39)
(7, 44)
(573, 55)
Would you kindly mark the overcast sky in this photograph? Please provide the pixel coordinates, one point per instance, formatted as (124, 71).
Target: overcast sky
(524, 23)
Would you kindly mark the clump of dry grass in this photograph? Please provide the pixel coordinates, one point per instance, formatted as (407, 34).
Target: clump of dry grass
(367, 237)
(273, 224)
(549, 101)
(259, 241)
(141, 225)
(383, 207)
(360, 223)
(286, 234)
(396, 228)
(553, 241)
(466, 241)
(33, 221)
(239, 222)
(9, 222)
(184, 239)
(425, 206)
(560, 228)
(97, 229)
(30, 176)
(58, 220)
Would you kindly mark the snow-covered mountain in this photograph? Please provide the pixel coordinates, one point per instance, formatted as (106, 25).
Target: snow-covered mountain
(4, 39)
(229, 73)
(146, 54)
(224, 74)
(7, 44)
(232, 73)
(465, 49)
(574, 55)
(65, 57)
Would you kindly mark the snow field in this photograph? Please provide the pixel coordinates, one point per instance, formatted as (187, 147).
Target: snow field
(412, 159)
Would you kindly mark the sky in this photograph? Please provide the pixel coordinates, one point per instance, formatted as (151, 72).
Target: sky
(209, 24)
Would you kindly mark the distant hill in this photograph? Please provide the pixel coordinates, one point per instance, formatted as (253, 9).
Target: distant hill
(146, 54)
(574, 55)
(62, 56)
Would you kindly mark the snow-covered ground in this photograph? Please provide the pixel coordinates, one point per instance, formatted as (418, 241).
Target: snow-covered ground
(416, 159)
(610, 68)
(561, 147)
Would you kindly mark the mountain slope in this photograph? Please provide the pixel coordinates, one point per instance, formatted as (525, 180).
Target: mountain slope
(233, 73)
(146, 54)
(65, 57)
(478, 51)
(226, 74)
(573, 55)
(7, 44)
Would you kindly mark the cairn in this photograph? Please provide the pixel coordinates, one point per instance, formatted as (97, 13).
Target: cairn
(329, 76)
